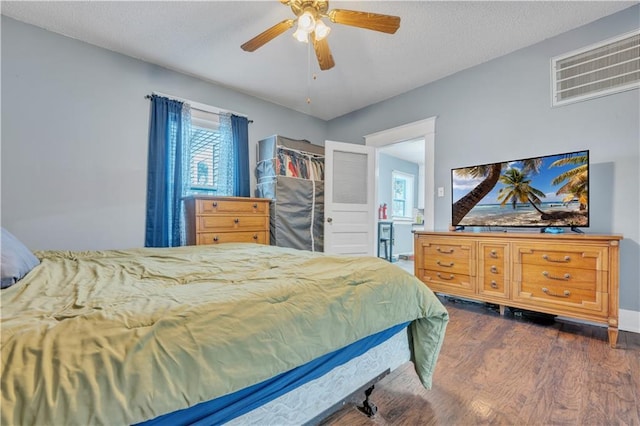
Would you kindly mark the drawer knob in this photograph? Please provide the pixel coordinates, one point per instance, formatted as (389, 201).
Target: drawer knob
(445, 278)
(565, 293)
(439, 250)
(255, 236)
(236, 220)
(215, 204)
(494, 269)
(566, 259)
(494, 284)
(255, 205)
(493, 254)
(565, 277)
(448, 265)
(215, 238)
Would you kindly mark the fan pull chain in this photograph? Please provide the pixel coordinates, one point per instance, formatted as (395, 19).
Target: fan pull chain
(313, 77)
(308, 73)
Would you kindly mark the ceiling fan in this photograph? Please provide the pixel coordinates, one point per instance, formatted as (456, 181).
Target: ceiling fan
(309, 14)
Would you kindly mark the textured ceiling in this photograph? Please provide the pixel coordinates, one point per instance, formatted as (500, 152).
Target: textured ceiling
(203, 38)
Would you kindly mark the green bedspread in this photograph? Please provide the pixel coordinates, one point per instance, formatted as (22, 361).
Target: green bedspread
(117, 337)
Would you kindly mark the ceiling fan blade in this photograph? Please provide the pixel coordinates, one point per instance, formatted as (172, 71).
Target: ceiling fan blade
(370, 21)
(323, 53)
(268, 35)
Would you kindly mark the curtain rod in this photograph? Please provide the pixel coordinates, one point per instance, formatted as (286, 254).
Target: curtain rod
(184, 100)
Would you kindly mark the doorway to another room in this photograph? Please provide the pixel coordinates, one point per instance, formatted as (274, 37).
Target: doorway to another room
(400, 192)
(405, 183)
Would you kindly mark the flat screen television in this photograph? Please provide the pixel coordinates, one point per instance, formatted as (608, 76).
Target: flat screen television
(551, 191)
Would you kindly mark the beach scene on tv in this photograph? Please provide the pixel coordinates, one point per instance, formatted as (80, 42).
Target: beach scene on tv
(548, 191)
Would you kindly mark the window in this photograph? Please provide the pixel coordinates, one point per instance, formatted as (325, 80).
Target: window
(204, 155)
(402, 195)
(193, 148)
(205, 160)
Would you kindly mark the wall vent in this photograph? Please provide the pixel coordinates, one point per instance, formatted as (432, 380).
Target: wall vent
(597, 70)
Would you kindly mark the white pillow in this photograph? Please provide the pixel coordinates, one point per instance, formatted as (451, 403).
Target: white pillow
(17, 259)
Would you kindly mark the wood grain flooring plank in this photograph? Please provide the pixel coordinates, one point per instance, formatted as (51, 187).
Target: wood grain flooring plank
(632, 345)
(511, 371)
(558, 394)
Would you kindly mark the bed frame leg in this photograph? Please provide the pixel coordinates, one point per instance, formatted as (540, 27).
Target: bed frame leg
(368, 407)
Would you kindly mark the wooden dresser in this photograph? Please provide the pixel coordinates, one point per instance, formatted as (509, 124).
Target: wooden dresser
(215, 220)
(571, 275)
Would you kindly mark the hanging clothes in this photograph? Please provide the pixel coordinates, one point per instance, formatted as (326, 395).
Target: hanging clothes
(300, 165)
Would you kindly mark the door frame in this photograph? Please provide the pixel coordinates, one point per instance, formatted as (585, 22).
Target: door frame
(416, 130)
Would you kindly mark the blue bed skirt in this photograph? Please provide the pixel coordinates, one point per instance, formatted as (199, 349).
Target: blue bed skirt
(228, 407)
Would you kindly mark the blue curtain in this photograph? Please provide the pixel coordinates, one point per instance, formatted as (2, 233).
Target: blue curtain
(233, 173)
(240, 131)
(167, 172)
(226, 171)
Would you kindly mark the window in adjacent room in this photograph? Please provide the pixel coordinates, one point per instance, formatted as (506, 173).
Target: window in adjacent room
(402, 195)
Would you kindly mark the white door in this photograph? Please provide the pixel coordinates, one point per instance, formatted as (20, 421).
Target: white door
(349, 212)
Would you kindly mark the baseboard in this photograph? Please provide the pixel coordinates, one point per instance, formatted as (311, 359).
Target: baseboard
(629, 320)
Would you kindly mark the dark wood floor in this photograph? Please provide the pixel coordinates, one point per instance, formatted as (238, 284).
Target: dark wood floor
(513, 371)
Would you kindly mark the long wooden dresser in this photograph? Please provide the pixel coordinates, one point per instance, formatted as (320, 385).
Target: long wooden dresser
(215, 220)
(571, 275)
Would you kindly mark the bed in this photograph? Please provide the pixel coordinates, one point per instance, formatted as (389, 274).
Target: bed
(205, 335)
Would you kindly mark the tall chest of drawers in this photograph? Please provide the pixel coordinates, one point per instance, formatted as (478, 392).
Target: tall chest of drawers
(572, 275)
(215, 220)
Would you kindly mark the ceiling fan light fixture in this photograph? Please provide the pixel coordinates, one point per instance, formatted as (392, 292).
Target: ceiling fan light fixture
(306, 22)
(301, 36)
(322, 30)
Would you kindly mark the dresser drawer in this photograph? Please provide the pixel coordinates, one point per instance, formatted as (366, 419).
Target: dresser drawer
(551, 255)
(581, 289)
(232, 237)
(559, 293)
(450, 258)
(493, 267)
(208, 206)
(231, 223)
(567, 277)
(460, 251)
(577, 280)
(447, 281)
(447, 264)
